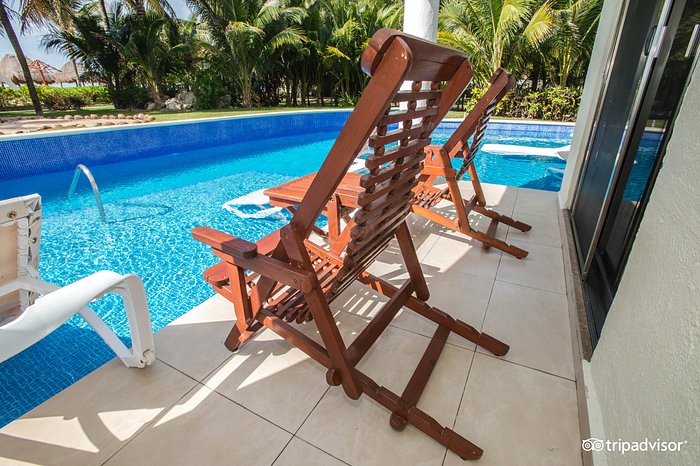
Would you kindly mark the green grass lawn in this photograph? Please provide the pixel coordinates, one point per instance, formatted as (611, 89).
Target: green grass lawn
(173, 116)
(160, 115)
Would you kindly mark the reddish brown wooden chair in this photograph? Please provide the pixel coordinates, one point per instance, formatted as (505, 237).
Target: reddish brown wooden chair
(286, 278)
(438, 163)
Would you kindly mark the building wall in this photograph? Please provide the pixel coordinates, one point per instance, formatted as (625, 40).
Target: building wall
(592, 89)
(645, 370)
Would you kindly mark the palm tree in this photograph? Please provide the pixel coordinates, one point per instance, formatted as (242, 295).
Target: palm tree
(494, 33)
(248, 33)
(568, 49)
(12, 37)
(153, 48)
(94, 45)
(58, 13)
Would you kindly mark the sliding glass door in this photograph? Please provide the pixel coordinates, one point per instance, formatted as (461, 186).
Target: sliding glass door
(655, 53)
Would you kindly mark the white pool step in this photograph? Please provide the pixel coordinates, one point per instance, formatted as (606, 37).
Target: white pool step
(511, 149)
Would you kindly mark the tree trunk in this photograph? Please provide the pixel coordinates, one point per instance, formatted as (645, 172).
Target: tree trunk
(319, 93)
(103, 13)
(12, 37)
(77, 75)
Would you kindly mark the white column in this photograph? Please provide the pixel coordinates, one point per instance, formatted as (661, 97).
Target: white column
(420, 18)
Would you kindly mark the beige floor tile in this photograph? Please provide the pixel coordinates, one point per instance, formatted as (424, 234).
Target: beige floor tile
(300, 453)
(194, 343)
(535, 324)
(205, 428)
(499, 197)
(90, 420)
(518, 416)
(545, 230)
(463, 296)
(273, 379)
(536, 202)
(424, 233)
(454, 252)
(543, 268)
(358, 432)
(476, 221)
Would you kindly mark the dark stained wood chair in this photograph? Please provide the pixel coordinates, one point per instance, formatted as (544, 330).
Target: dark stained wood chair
(437, 164)
(286, 278)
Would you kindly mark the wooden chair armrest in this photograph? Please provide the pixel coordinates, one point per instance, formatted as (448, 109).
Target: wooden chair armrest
(244, 254)
(225, 243)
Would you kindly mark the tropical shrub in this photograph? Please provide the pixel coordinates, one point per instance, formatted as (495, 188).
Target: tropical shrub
(129, 96)
(556, 103)
(208, 88)
(55, 98)
(10, 97)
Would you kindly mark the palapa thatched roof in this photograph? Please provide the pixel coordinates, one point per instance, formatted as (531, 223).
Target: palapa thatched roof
(10, 67)
(67, 73)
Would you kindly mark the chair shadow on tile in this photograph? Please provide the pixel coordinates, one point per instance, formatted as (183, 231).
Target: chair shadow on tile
(92, 419)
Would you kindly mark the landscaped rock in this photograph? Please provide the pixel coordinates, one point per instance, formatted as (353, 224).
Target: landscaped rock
(108, 123)
(93, 116)
(77, 117)
(182, 101)
(68, 117)
(151, 106)
(224, 101)
(104, 117)
(149, 118)
(121, 116)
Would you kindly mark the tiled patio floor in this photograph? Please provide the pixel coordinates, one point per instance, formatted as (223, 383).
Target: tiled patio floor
(269, 404)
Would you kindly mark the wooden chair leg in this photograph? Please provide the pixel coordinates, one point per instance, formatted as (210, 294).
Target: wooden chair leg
(408, 251)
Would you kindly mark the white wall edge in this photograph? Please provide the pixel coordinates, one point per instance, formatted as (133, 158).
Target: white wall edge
(595, 415)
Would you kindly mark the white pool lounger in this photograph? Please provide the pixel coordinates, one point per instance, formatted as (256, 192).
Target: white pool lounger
(510, 149)
(30, 308)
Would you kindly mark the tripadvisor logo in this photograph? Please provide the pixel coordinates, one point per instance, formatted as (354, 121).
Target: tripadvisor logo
(622, 446)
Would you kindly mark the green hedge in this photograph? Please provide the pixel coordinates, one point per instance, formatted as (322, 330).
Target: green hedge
(557, 103)
(55, 98)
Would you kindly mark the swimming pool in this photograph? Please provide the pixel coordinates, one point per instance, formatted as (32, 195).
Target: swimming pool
(157, 183)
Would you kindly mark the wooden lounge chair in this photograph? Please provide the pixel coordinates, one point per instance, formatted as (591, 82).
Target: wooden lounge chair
(437, 164)
(287, 278)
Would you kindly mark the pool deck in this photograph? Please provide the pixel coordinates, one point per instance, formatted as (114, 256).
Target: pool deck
(269, 403)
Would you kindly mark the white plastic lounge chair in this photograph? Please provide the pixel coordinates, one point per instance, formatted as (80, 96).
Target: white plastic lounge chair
(30, 308)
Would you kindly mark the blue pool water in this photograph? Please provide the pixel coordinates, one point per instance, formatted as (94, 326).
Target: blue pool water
(153, 201)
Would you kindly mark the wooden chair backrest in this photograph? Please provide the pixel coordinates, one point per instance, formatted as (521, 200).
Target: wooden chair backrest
(475, 123)
(397, 138)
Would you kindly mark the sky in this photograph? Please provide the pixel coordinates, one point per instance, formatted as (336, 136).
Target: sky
(31, 41)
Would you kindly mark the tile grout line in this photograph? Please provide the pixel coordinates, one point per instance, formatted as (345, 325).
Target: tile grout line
(527, 367)
(294, 434)
(157, 417)
(533, 288)
(461, 399)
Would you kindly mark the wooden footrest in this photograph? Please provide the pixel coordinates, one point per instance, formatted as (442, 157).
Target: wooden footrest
(421, 375)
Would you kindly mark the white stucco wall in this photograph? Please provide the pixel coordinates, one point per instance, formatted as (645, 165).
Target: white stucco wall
(592, 89)
(646, 367)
